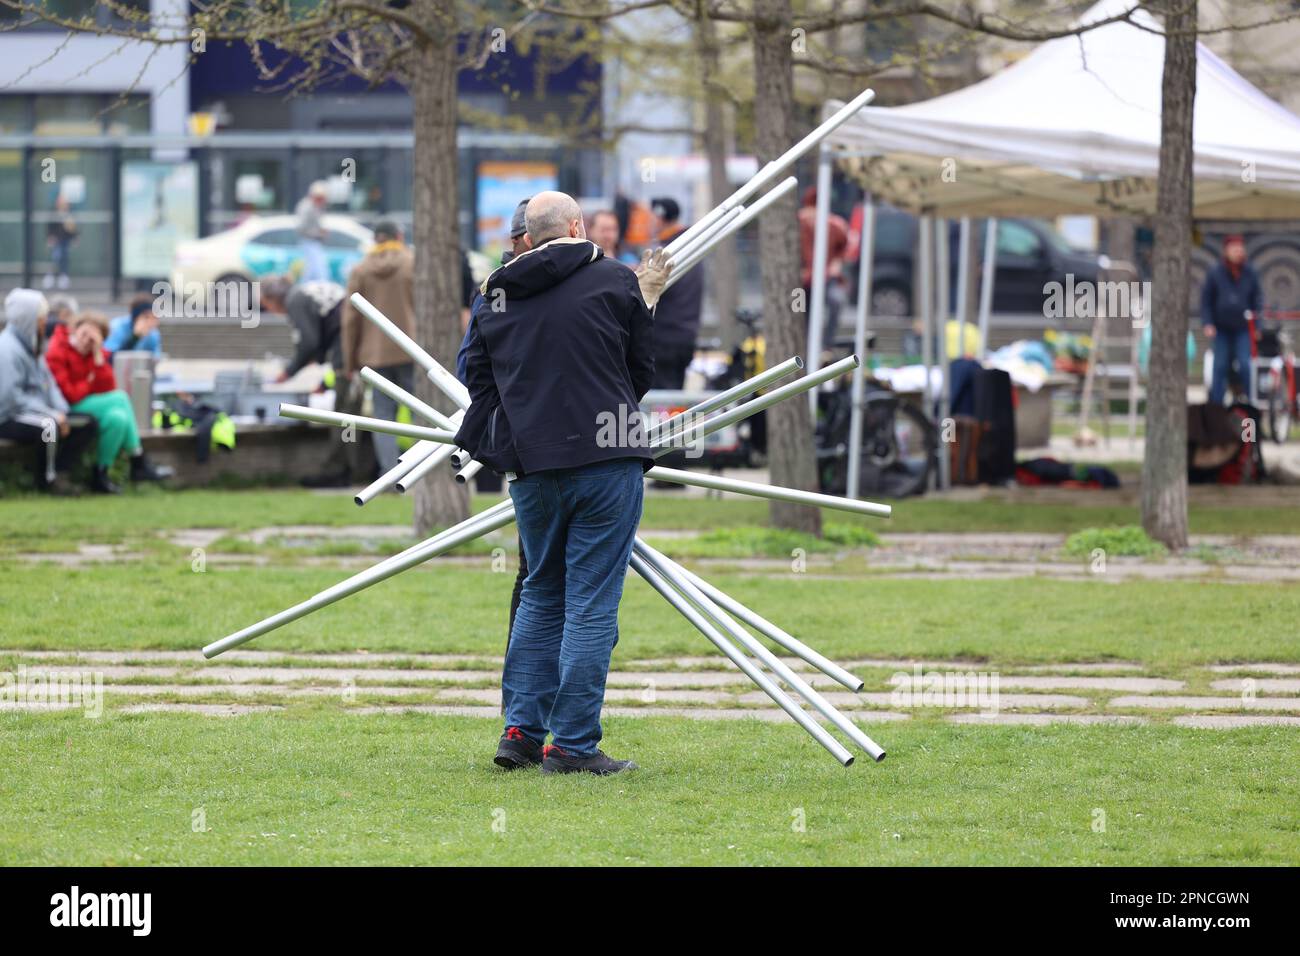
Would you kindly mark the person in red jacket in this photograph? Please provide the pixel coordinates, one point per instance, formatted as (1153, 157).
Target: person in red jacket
(84, 373)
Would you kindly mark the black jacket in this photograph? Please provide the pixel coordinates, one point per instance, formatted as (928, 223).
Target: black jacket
(558, 358)
(1225, 300)
(313, 310)
(677, 314)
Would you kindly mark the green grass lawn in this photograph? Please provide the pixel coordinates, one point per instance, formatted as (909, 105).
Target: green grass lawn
(457, 608)
(316, 787)
(315, 784)
(34, 523)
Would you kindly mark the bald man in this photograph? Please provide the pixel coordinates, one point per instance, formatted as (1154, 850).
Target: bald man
(561, 356)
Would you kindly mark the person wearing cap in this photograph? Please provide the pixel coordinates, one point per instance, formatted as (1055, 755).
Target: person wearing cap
(1230, 296)
(311, 232)
(83, 369)
(32, 409)
(137, 331)
(677, 316)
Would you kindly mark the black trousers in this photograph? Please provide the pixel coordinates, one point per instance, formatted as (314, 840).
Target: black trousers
(671, 360)
(57, 455)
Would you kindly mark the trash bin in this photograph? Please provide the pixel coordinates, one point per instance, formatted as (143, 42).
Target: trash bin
(134, 371)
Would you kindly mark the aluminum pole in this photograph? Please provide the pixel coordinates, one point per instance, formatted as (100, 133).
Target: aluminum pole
(408, 480)
(497, 516)
(323, 417)
(403, 397)
(681, 580)
(661, 584)
(700, 479)
(713, 403)
(411, 459)
(469, 471)
(866, 262)
(688, 262)
(746, 409)
(706, 235)
(449, 384)
(774, 633)
(986, 284)
(776, 167)
(817, 307)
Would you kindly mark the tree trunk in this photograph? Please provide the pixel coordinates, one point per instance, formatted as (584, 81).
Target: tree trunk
(789, 433)
(439, 500)
(1164, 468)
(723, 276)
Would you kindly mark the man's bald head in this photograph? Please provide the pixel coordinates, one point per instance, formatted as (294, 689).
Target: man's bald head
(553, 215)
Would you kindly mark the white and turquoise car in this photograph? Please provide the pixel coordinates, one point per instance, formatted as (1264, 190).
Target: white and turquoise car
(263, 246)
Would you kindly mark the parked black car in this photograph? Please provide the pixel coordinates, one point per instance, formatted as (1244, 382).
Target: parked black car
(1030, 254)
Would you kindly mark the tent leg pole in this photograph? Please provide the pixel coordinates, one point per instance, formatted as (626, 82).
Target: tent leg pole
(986, 284)
(941, 344)
(821, 240)
(866, 259)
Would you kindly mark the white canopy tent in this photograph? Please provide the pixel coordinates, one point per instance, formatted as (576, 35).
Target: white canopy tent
(1073, 128)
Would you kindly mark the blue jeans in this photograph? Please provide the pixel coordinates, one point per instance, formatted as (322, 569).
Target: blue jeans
(576, 526)
(385, 407)
(1227, 346)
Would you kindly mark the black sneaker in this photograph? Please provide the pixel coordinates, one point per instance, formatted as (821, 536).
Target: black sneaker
(517, 750)
(101, 484)
(142, 469)
(558, 760)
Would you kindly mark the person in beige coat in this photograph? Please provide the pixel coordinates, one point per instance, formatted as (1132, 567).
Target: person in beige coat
(386, 277)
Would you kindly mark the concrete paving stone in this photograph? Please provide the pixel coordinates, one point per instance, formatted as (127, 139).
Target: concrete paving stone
(207, 710)
(1142, 684)
(1288, 685)
(1221, 703)
(1229, 721)
(37, 706)
(1257, 667)
(1097, 667)
(1042, 719)
(845, 699)
(260, 657)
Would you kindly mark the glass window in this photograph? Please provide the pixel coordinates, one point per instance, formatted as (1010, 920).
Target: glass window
(277, 237)
(341, 240)
(14, 117)
(1015, 239)
(68, 114)
(893, 234)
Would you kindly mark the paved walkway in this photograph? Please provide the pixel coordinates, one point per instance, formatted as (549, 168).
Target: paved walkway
(706, 688)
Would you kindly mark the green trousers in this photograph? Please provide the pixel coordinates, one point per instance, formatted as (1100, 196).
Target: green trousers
(113, 413)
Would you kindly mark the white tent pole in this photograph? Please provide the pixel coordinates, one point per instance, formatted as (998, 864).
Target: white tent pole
(925, 295)
(866, 259)
(986, 283)
(817, 307)
(323, 417)
(703, 479)
(941, 339)
(963, 285)
(657, 580)
(774, 169)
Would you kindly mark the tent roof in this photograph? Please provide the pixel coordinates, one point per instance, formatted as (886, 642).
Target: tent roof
(1074, 127)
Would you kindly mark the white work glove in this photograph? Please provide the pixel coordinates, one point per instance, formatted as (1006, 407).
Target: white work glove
(652, 274)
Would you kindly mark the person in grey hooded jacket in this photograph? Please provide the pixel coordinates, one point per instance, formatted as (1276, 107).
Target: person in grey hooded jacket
(32, 409)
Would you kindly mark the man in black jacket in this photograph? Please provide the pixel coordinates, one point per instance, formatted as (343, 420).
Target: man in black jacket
(560, 357)
(1231, 294)
(677, 316)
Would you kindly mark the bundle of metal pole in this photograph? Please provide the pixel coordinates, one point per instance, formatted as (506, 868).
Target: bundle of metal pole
(437, 374)
(498, 516)
(692, 433)
(684, 265)
(727, 396)
(775, 168)
(681, 580)
(817, 293)
(408, 460)
(700, 479)
(791, 643)
(703, 239)
(322, 417)
(402, 397)
(866, 263)
(408, 480)
(660, 583)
